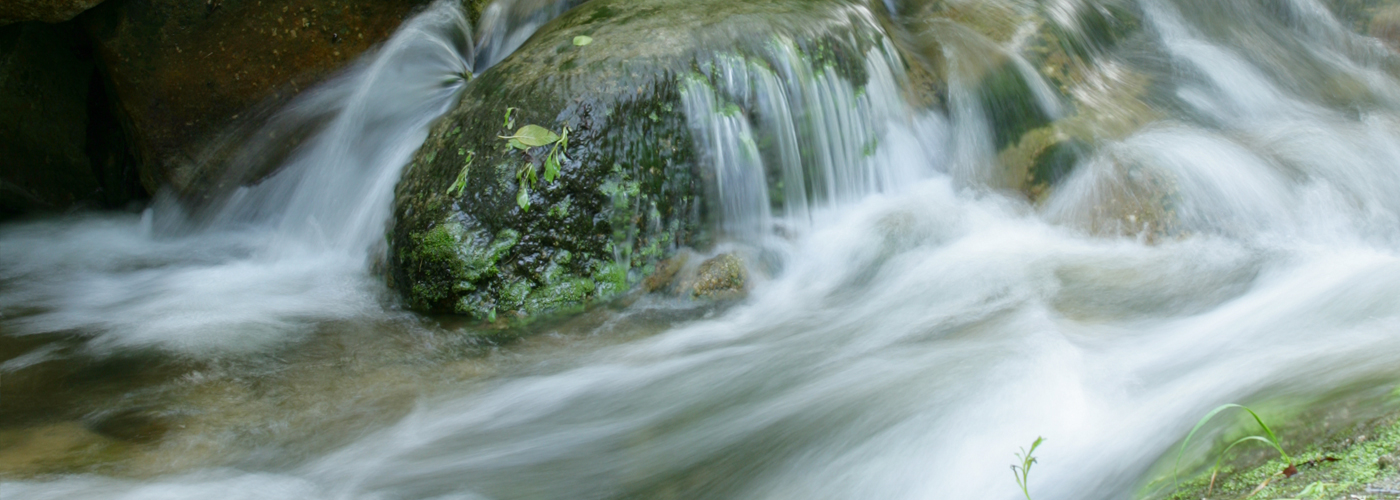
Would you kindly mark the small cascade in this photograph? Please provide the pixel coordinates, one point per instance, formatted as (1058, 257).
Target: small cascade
(788, 137)
(334, 191)
(505, 25)
(262, 262)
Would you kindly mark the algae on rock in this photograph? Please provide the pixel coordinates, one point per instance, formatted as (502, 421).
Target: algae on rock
(630, 189)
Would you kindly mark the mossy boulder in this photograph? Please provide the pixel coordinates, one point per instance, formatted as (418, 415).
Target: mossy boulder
(473, 234)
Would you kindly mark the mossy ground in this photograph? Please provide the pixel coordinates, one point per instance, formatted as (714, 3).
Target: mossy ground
(1344, 449)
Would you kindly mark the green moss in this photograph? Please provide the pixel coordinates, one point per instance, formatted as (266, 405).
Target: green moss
(611, 278)
(569, 295)
(1337, 449)
(451, 261)
(1351, 471)
(1010, 105)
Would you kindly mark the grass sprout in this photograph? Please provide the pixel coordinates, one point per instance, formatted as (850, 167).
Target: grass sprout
(1268, 438)
(1023, 471)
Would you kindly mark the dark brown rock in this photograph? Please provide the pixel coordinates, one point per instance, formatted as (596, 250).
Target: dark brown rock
(49, 11)
(43, 120)
(185, 71)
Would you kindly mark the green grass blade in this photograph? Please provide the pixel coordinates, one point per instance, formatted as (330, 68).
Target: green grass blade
(1273, 439)
(1202, 422)
(1239, 442)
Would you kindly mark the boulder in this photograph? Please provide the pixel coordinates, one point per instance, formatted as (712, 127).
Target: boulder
(485, 229)
(43, 120)
(49, 11)
(182, 72)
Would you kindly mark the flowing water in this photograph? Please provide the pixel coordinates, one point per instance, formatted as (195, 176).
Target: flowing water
(1235, 238)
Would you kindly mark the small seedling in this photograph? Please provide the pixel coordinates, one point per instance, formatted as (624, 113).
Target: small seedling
(1268, 438)
(1023, 471)
(509, 121)
(460, 185)
(533, 136)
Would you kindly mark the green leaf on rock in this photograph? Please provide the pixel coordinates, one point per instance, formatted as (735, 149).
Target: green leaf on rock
(551, 168)
(582, 40)
(522, 197)
(534, 136)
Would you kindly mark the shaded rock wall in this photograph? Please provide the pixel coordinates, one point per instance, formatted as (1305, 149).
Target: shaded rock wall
(183, 72)
(45, 85)
(49, 11)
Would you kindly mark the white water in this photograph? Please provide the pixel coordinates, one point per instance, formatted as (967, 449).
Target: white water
(921, 330)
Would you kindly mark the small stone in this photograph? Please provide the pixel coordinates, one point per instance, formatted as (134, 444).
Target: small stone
(665, 273)
(721, 277)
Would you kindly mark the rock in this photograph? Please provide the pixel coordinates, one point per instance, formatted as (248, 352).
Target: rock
(666, 272)
(467, 238)
(43, 120)
(137, 425)
(49, 11)
(184, 71)
(721, 277)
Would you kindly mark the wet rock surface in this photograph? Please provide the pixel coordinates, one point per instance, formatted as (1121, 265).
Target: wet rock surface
(49, 11)
(184, 72)
(474, 234)
(43, 116)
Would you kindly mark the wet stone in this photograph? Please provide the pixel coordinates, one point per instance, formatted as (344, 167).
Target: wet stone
(722, 277)
(136, 425)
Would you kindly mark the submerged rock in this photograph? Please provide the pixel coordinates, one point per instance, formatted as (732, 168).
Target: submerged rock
(488, 230)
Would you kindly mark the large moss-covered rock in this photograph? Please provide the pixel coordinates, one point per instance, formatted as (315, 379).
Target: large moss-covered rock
(473, 235)
(184, 71)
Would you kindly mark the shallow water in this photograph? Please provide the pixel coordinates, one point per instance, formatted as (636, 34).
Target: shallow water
(1240, 246)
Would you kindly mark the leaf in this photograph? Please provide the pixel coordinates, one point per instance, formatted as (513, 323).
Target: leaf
(522, 197)
(534, 136)
(551, 168)
(582, 40)
(509, 122)
(515, 143)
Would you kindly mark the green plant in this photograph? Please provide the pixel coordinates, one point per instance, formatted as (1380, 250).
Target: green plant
(534, 136)
(1023, 471)
(1268, 438)
(459, 186)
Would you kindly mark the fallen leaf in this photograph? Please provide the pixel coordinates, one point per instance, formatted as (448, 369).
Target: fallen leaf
(534, 136)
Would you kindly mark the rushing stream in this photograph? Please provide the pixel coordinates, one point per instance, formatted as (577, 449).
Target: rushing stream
(920, 321)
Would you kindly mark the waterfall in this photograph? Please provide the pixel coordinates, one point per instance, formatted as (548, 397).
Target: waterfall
(788, 138)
